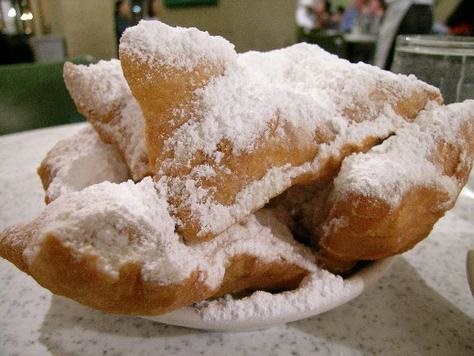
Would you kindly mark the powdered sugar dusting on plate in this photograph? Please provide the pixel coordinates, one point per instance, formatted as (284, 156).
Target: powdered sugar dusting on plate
(316, 290)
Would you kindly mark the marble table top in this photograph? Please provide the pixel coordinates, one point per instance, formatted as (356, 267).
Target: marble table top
(422, 306)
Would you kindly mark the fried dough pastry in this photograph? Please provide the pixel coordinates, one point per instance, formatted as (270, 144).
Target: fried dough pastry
(227, 132)
(101, 94)
(360, 161)
(113, 247)
(79, 161)
(385, 201)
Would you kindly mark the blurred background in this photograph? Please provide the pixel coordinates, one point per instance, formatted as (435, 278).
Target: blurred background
(37, 36)
(72, 28)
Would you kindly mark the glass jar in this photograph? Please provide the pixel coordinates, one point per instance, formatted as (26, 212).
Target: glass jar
(446, 62)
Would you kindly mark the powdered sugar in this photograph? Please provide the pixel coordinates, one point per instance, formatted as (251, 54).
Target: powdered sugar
(405, 160)
(99, 86)
(120, 223)
(301, 85)
(82, 160)
(126, 222)
(318, 289)
(102, 94)
(215, 217)
(157, 43)
(300, 89)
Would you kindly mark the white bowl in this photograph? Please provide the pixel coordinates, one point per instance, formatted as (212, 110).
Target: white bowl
(192, 316)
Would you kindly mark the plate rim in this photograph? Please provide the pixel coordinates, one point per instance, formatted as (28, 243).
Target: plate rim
(189, 317)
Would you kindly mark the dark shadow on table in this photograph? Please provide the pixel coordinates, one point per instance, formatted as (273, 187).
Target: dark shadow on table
(401, 311)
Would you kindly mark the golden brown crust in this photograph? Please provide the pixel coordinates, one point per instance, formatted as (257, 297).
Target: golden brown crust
(374, 230)
(360, 227)
(46, 176)
(13, 242)
(252, 166)
(176, 90)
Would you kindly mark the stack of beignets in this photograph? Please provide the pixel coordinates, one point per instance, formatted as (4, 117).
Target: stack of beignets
(240, 149)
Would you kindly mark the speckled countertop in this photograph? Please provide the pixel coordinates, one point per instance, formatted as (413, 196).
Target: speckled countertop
(422, 306)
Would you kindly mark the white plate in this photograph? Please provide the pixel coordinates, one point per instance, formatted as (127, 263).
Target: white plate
(192, 317)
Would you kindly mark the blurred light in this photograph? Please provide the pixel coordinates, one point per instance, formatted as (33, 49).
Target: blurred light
(26, 16)
(136, 9)
(12, 12)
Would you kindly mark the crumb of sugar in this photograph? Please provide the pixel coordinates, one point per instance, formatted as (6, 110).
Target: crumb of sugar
(80, 161)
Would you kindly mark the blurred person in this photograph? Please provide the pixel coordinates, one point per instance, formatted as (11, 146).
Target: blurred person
(312, 15)
(403, 17)
(363, 16)
(153, 10)
(351, 15)
(123, 17)
(377, 11)
(336, 17)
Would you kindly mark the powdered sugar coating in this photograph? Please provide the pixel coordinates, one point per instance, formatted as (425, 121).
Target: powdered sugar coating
(316, 290)
(79, 161)
(99, 86)
(102, 91)
(129, 131)
(403, 161)
(126, 222)
(301, 87)
(160, 44)
(214, 217)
